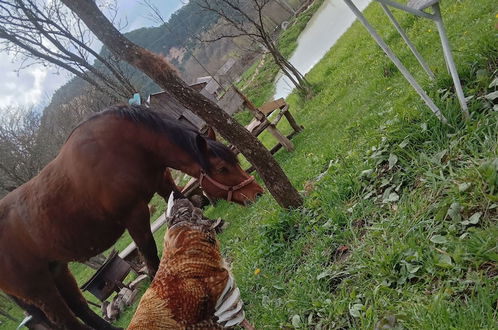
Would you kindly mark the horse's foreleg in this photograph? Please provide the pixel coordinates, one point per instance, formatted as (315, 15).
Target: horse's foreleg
(44, 295)
(168, 185)
(68, 288)
(36, 313)
(138, 226)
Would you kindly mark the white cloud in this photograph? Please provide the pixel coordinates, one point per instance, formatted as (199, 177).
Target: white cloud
(31, 86)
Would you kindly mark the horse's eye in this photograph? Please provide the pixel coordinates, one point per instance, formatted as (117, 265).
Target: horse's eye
(223, 170)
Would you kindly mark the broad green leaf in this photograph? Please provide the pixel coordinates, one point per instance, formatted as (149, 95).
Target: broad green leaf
(355, 310)
(438, 239)
(492, 96)
(464, 186)
(444, 261)
(412, 269)
(366, 173)
(393, 197)
(454, 211)
(440, 155)
(474, 219)
(323, 274)
(387, 322)
(393, 159)
(296, 321)
(494, 83)
(404, 143)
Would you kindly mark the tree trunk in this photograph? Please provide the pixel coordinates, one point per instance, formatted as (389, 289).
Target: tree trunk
(159, 70)
(289, 69)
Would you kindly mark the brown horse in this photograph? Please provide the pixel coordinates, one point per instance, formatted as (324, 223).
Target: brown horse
(97, 187)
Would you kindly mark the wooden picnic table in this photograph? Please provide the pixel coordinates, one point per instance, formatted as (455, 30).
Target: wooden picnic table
(262, 121)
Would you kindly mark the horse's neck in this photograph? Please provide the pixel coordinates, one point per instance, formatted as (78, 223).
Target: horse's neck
(173, 156)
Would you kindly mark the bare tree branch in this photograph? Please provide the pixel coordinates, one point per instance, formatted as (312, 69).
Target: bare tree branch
(247, 18)
(46, 32)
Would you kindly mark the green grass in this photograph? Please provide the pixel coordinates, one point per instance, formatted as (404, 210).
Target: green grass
(374, 244)
(402, 226)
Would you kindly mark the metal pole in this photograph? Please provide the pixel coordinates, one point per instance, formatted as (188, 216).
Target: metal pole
(449, 60)
(406, 8)
(396, 61)
(408, 41)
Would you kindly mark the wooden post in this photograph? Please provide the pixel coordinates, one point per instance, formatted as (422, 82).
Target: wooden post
(295, 126)
(280, 137)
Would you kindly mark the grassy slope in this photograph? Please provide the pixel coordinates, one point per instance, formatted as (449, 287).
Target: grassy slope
(348, 261)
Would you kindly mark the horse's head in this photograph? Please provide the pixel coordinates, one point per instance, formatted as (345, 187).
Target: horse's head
(222, 177)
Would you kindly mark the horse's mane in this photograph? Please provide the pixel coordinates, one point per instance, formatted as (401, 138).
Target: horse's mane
(180, 134)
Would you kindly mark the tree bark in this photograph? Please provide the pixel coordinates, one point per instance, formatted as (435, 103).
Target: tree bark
(159, 70)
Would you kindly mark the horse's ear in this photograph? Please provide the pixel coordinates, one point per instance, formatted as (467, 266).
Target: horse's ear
(201, 144)
(210, 133)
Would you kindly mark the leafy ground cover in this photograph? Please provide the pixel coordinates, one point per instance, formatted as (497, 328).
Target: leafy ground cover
(401, 228)
(399, 223)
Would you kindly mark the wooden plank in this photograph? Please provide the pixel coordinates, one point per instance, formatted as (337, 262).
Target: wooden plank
(273, 150)
(252, 108)
(192, 185)
(281, 138)
(295, 126)
(153, 227)
(271, 106)
(253, 125)
(194, 119)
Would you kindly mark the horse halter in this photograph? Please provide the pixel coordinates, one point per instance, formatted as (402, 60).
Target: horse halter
(229, 189)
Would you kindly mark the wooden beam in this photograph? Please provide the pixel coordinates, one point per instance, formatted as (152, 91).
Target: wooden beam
(280, 137)
(295, 126)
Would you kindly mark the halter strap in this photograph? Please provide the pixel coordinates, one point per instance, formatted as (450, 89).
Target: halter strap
(229, 189)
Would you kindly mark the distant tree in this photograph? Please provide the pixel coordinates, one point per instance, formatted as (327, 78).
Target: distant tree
(20, 155)
(46, 32)
(29, 140)
(158, 69)
(246, 18)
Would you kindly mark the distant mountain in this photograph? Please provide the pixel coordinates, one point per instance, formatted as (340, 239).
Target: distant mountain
(170, 39)
(179, 41)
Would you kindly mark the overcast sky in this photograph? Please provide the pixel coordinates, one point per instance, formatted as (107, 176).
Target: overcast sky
(36, 84)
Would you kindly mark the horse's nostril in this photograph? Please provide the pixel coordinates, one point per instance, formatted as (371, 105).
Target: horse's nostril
(258, 195)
